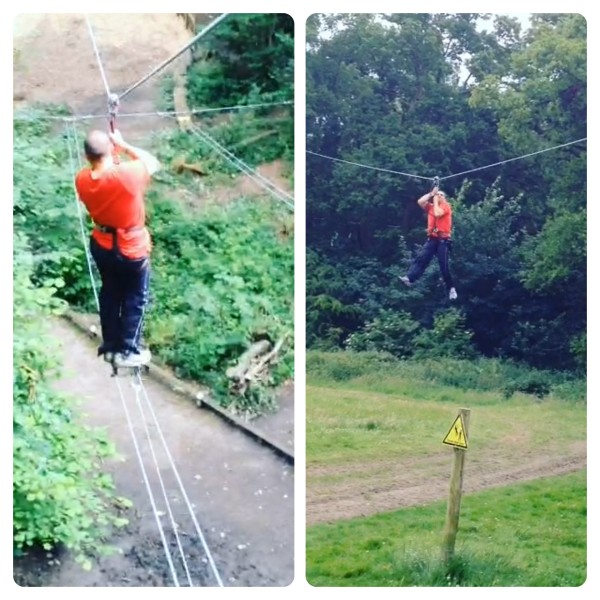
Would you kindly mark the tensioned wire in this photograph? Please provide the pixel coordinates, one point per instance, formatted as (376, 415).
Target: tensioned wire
(262, 181)
(357, 164)
(157, 113)
(167, 62)
(180, 483)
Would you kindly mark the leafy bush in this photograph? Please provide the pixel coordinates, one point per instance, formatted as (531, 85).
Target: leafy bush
(220, 283)
(60, 494)
(527, 385)
(45, 209)
(251, 61)
(391, 331)
(448, 337)
(482, 374)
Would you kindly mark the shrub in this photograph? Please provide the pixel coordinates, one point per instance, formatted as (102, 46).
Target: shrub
(60, 494)
(448, 337)
(391, 331)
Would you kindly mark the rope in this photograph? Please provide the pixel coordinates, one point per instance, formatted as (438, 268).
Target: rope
(167, 62)
(93, 38)
(148, 488)
(454, 174)
(349, 162)
(137, 386)
(513, 159)
(84, 237)
(181, 487)
(246, 169)
(165, 113)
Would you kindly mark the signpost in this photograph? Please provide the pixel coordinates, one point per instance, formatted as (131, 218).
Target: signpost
(457, 437)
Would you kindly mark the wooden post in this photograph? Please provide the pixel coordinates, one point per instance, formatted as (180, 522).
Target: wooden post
(456, 483)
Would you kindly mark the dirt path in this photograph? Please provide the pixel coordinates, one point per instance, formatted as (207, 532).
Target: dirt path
(391, 485)
(242, 492)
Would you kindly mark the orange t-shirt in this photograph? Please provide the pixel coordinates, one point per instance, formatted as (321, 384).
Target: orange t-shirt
(442, 224)
(115, 198)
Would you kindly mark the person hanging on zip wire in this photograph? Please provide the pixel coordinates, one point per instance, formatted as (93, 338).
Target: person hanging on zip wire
(113, 194)
(439, 232)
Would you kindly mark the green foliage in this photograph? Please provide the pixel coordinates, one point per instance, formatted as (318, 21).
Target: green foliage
(45, 208)
(555, 259)
(531, 384)
(220, 282)
(383, 372)
(249, 59)
(431, 94)
(448, 337)
(60, 494)
(390, 332)
(220, 279)
(343, 366)
(249, 54)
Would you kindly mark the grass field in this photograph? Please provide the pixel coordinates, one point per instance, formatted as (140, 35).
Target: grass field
(378, 479)
(531, 534)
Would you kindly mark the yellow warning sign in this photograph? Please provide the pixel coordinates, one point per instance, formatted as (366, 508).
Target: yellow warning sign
(457, 436)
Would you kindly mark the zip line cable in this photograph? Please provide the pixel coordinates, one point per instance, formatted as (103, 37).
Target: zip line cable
(513, 159)
(79, 211)
(148, 488)
(164, 113)
(167, 62)
(267, 182)
(245, 168)
(262, 181)
(454, 174)
(181, 486)
(137, 386)
(357, 164)
(97, 53)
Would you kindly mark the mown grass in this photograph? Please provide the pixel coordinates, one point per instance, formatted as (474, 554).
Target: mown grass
(531, 534)
(375, 423)
(349, 425)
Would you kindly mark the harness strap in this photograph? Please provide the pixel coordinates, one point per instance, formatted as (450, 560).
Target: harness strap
(114, 232)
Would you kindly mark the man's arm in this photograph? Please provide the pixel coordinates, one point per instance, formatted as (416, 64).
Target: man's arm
(426, 198)
(149, 161)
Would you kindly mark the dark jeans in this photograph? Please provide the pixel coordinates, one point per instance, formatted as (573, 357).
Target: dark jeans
(432, 247)
(123, 298)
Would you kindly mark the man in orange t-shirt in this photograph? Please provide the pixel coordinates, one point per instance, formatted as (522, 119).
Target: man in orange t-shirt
(120, 243)
(439, 233)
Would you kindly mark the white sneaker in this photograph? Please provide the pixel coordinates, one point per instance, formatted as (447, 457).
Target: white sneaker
(452, 295)
(406, 281)
(133, 359)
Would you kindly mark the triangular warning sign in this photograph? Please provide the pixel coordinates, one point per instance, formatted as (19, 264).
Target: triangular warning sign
(457, 436)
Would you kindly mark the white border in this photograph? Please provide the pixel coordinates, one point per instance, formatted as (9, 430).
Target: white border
(300, 11)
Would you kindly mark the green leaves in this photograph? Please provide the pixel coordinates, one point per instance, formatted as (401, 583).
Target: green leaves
(225, 278)
(60, 495)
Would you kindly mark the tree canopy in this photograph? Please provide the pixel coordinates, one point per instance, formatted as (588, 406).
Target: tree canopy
(436, 95)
